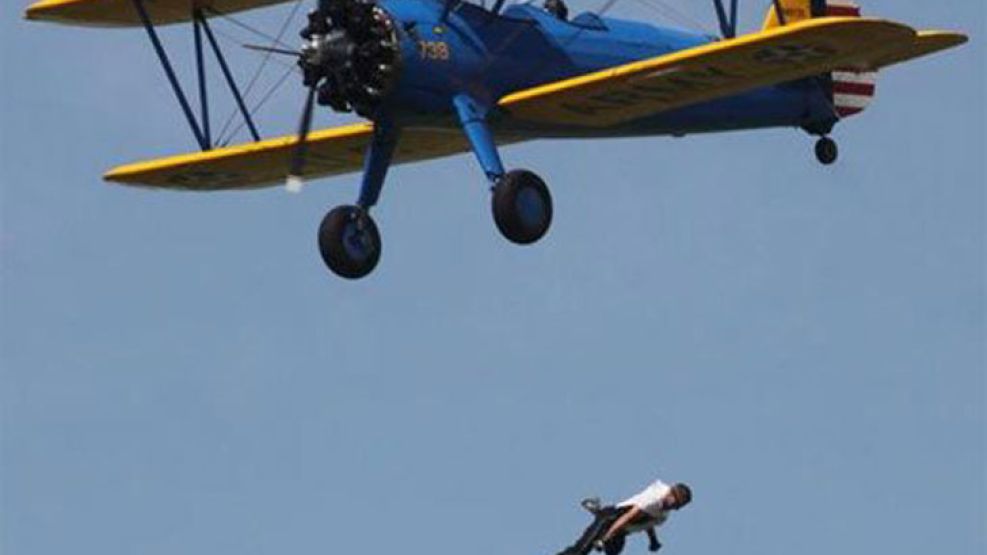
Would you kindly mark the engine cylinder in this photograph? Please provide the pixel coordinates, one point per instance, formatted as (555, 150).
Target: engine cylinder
(354, 53)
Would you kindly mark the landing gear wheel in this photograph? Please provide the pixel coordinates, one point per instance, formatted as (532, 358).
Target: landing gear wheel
(349, 242)
(826, 151)
(522, 207)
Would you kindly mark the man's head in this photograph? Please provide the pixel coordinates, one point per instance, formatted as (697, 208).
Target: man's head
(679, 496)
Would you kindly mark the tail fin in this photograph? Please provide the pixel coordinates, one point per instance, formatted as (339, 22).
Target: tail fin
(851, 91)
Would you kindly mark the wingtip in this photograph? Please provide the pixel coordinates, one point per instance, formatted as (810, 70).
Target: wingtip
(958, 38)
(112, 175)
(42, 10)
(935, 39)
(32, 13)
(123, 175)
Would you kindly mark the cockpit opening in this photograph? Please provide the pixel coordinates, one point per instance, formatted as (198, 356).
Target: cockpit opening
(557, 8)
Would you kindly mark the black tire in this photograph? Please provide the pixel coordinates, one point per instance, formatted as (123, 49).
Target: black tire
(349, 242)
(826, 151)
(522, 207)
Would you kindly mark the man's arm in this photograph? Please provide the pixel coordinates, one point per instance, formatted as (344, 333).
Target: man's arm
(620, 523)
(653, 543)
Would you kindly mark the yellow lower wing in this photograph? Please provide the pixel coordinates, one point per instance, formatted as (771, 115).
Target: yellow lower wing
(724, 68)
(121, 13)
(330, 152)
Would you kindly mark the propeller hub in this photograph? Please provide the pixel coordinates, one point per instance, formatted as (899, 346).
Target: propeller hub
(321, 53)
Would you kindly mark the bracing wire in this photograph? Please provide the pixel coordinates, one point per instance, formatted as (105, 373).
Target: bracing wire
(606, 7)
(263, 100)
(275, 41)
(238, 42)
(249, 28)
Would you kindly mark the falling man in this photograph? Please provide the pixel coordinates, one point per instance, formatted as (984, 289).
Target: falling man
(645, 511)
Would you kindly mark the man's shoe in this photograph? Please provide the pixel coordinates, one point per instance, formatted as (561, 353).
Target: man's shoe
(591, 504)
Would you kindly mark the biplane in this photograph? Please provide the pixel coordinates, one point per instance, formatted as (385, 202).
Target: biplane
(434, 78)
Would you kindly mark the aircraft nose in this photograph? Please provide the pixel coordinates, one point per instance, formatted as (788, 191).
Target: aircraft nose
(351, 54)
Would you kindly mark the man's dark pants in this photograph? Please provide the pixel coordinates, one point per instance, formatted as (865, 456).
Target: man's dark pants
(605, 518)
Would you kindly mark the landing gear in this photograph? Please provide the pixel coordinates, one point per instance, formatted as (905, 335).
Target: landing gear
(826, 151)
(522, 207)
(349, 242)
(348, 238)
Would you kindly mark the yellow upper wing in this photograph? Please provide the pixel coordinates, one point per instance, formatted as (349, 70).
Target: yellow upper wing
(330, 152)
(121, 13)
(723, 68)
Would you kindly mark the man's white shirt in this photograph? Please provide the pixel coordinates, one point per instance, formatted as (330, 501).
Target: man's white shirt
(650, 501)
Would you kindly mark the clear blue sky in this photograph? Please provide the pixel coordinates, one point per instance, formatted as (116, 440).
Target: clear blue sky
(804, 345)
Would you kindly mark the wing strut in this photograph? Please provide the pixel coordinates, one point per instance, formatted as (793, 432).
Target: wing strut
(200, 67)
(780, 12)
(200, 129)
(728, 24)
(229, 76)
(166, 64)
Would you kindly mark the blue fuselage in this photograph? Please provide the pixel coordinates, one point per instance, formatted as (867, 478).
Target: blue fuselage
(490, 55)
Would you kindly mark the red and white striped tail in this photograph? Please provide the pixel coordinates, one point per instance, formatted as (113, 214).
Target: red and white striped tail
(853, 91)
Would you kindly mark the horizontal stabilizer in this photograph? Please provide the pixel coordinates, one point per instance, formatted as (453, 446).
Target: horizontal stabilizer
(121, 13)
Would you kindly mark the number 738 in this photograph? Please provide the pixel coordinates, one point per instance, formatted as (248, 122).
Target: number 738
(433, 50)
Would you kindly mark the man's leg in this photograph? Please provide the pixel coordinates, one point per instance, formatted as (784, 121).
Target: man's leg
(605, 517)
(653, 543)
(616, 544)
